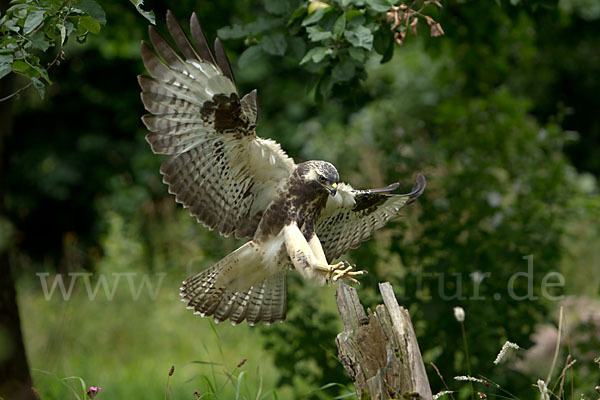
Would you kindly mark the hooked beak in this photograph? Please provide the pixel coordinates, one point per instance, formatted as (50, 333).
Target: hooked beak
(332, 189)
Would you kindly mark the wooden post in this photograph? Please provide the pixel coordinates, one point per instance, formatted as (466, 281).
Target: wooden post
(379, 349)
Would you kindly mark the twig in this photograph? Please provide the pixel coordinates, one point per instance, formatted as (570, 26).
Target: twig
(10, 96)
(437, 371)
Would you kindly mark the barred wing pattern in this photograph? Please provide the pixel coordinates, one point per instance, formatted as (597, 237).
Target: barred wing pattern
(352, 218)
(217, 166)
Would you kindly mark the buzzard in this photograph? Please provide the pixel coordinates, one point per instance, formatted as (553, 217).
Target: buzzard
(298, 216)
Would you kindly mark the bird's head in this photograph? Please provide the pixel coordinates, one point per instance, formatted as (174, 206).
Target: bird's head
(320, 175)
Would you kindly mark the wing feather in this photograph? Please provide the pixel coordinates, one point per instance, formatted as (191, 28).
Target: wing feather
(200, 39)
(356, 214)
(216, 165)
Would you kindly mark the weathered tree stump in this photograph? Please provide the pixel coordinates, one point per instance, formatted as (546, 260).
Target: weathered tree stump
(379, 349)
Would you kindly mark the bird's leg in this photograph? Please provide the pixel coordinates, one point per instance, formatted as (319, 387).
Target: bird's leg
(347, 273)
(335, 271)
(341, 270)
(310, 265)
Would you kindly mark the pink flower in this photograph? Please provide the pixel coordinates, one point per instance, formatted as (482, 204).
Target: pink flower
(93, 391)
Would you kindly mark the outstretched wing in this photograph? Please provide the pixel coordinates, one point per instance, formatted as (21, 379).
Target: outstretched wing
(351, 218)
(217, 167)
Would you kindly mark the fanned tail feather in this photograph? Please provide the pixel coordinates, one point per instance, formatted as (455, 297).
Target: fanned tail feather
(264, 302)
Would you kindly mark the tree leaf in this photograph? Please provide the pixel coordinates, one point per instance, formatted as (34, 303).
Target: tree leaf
(262, 25)
(382, 40)
(33, 20)
(249, 55)
(316, 55)
(39, 85)
(360, 37)
(20, 66)
(276, 7)
(93, 9)
(232, 32)
(296, 47)
(351, 14)
(274, 44)
(343, 71)
(149, 15)
(63, 33)
(357, 54)
(389, 53)
(316, 33)
(90, 24)
(314, 17)
(38, 40)
(6, 59)
(5, 69)
(315, 5)
(324, 87)
(379, 5)
(339, 25)
(297, 14)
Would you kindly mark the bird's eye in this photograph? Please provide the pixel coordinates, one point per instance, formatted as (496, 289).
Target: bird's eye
(322, 179)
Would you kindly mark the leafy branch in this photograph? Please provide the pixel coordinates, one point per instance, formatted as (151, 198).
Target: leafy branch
(333, 38)
(32, 27)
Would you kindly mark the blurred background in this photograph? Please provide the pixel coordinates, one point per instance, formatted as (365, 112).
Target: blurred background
(501, 116)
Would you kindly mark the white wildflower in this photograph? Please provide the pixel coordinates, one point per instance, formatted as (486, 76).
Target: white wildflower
(543, 389)
(441, 394)
(505, 347)
(459, 314)
(469, 379)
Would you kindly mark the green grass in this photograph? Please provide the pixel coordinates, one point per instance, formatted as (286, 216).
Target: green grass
(127, 347)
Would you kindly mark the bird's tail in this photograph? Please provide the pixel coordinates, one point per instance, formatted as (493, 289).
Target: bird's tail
(210, 292)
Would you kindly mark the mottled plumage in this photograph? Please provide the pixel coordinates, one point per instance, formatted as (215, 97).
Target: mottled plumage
(297, 216)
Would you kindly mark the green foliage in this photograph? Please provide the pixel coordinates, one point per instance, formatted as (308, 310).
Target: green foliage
(30, 27)
(488, 114)
(329, 39)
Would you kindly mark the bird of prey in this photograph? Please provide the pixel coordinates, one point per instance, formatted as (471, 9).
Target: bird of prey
(297, 216)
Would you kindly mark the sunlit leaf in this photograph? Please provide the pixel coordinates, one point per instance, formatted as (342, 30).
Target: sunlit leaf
(149, 15)
(314, 17)
(360, 37)
(316, 54)
(314, 6)
(33, 20)
(20, 66)
(90, 24)
(316, 33)
(63, 33)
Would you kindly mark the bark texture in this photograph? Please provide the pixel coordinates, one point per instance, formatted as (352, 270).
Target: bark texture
(379, 350)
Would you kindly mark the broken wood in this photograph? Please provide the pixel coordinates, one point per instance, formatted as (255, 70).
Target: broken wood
(379, 350)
